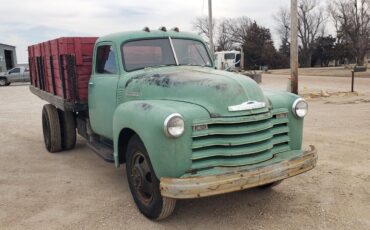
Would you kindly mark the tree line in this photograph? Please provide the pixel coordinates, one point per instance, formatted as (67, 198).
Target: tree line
(349, 43)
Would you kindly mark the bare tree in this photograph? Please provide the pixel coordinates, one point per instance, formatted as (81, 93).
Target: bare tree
(229, 31)
(238, 29)
(201, 25)
(223, 36)
(311, 18)
(282, 19)
(311, 21)
(352, 21)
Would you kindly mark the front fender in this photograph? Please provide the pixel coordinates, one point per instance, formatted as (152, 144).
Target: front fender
(169, 157)
(281, 99)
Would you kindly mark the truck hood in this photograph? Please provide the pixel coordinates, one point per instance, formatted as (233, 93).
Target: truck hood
(214, 90)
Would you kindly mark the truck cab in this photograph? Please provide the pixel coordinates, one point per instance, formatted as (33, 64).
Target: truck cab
(183, 129)
(228, 60)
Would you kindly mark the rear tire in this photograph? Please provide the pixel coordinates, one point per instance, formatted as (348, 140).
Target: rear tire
(51, 128)
(68, 129)
(144, 184)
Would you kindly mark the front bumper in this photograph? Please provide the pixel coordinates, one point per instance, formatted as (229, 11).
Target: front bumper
(203, 186)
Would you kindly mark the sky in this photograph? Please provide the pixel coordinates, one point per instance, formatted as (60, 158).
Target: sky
(27, 22)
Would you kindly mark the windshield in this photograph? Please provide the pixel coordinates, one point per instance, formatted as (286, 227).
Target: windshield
(229, 56)
(158, 52)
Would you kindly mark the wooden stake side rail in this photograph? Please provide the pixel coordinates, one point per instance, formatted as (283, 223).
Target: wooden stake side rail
(58, 101)
(62, 68)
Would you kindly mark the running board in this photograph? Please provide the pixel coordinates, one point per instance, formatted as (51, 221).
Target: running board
(102, 150)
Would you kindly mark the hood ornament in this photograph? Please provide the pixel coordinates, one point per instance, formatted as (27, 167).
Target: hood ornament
(248, 105)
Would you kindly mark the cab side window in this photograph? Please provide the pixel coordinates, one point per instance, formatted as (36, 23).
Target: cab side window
(105, 60)
(16, 70)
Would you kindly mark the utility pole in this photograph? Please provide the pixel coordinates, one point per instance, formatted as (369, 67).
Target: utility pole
(294, 46)
(210, 24)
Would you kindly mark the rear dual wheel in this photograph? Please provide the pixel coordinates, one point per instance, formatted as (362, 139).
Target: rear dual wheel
(59, 129)
(68, 129)
(144, 184)
(51, 128)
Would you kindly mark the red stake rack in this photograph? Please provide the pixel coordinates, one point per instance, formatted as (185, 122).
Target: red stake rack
(62, 67)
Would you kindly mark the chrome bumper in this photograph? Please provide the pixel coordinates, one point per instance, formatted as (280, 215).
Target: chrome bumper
(195, 187)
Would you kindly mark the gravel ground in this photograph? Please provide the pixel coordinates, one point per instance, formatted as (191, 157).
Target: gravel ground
(77, 190)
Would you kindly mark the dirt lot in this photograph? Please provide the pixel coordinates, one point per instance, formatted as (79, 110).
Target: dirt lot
(77, 190)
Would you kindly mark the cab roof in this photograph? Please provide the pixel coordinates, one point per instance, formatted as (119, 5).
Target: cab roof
(121, 37)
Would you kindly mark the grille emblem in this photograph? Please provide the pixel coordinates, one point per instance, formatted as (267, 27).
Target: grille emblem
(200, 127)
(281, 115)
(248, 105)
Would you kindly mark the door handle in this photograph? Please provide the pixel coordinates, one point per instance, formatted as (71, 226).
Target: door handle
(91, 83)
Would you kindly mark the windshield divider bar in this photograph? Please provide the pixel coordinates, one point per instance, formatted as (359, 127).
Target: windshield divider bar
(173, 51)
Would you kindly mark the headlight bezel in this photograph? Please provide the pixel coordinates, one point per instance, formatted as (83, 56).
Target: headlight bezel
(166, 127)
(294, 108)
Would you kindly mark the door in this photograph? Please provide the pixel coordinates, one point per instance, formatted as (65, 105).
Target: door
(102, 89)
(15, 75)
(9, 61)
(26, 74)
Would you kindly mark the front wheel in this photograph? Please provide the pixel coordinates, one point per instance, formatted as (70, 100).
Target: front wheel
(3, 82)
(144, 184)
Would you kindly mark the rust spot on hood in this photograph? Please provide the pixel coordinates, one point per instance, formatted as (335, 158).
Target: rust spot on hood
(176, 79)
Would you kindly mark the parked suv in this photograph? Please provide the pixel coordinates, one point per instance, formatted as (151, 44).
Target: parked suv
(17, 74)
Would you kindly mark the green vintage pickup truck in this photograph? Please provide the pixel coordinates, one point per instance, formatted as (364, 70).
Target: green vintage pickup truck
(156, 103)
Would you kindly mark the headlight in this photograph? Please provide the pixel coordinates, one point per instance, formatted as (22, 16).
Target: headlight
(300, 108)
(174, 125)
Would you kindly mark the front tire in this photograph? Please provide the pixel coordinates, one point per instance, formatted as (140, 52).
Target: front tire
(3, 82)
(51, 128)
(144, 184)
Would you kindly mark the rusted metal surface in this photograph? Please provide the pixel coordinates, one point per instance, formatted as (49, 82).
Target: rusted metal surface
(195, 187)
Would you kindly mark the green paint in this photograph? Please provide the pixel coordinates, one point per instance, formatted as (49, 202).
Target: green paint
(141, 100)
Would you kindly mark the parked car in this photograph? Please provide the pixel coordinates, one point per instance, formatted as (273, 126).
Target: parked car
(153, 100)
(17, 74)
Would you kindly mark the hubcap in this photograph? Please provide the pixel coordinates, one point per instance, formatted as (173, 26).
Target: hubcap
(2, 82)
(142, 178)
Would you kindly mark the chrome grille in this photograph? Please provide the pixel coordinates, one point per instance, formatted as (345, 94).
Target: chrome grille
(239, 140)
